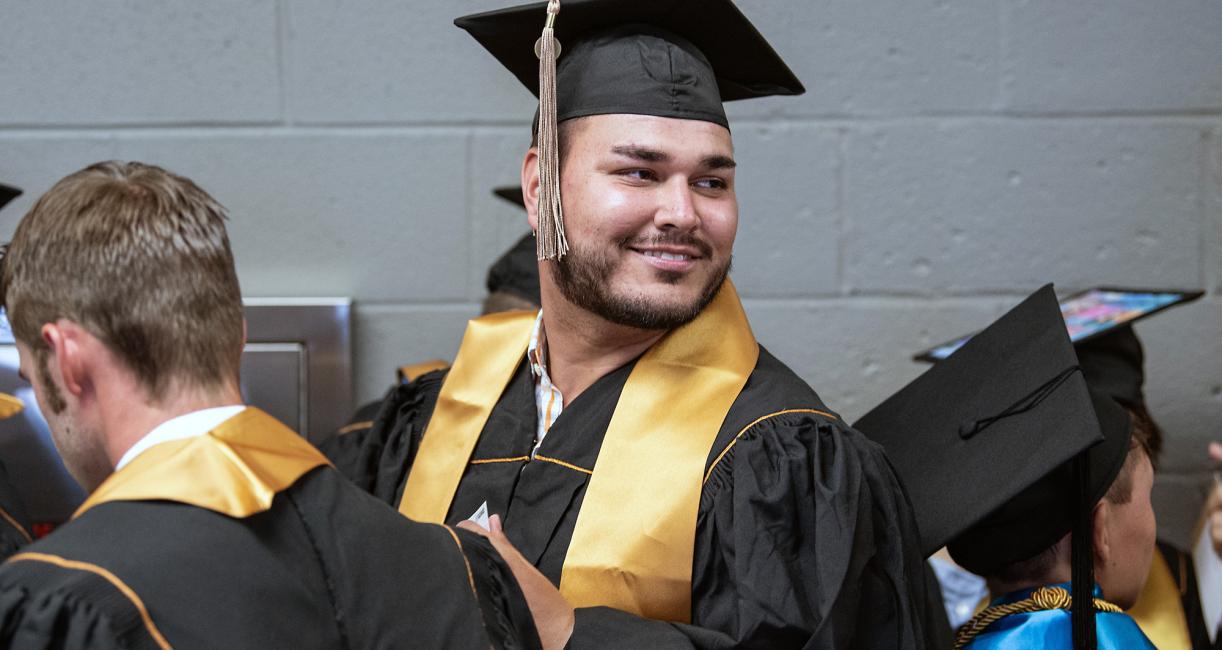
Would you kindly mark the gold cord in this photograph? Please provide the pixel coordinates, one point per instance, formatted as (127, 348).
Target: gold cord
(1042, 599)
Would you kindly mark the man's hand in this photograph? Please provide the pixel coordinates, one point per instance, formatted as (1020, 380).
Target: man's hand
(1213, 506)
(552, 613)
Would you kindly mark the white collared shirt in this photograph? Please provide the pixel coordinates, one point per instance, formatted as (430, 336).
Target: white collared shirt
(195, 423)
(548, 400)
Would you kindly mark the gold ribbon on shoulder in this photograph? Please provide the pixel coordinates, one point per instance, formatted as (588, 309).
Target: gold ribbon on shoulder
(490, 352)
(634, 540)
(236, 469)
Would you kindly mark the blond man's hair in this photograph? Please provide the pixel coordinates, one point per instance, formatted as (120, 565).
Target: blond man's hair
(139, 257)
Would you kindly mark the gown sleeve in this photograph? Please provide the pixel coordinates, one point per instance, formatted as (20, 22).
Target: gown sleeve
(14, 524)
(506, 614)
(40, 611)
(377, 458)
(805, 538)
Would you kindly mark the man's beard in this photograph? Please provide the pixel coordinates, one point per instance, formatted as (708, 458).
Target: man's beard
(584, 278)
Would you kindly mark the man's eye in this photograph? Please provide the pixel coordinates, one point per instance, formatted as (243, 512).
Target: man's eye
(639, 174)
(712, 184)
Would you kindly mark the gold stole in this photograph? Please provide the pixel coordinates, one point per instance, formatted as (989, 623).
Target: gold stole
(1159, 612)
(634, 540)
(236, 469)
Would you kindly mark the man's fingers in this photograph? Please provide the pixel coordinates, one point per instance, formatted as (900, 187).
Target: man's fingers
(473, 527)
(1215, 451)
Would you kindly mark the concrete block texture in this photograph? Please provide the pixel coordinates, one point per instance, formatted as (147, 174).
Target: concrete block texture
(1111, 56)
(880, 57)
(955, 207)
(34, 162)
(376, 216)
(390, 336)
(857, 352)
(384, 61)
(1178, 501)
(496, 161)
(139, 62)
(1184, 381)
(1213, 211)
(787, 183)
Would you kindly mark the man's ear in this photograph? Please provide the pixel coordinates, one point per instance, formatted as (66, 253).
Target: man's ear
(530, 187)
(65, 362)
(1101, 515)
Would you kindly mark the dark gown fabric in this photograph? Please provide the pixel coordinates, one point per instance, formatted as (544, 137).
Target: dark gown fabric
(804, 536)
(299, 575)
(14, 524)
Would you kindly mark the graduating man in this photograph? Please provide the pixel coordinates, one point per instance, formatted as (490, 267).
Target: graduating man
(676, 482)
(1032, 480)
(1169, 609)
(209, 523)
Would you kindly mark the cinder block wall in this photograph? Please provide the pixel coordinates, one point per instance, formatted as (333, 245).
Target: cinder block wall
(949, 157)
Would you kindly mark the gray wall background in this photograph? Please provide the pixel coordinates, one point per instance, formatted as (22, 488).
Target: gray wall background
(949, 157)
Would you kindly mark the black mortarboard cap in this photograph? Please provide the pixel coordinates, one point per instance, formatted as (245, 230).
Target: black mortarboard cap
(1114, 364)
(517, 271)
(986, 424)
(8, 193)
(511, 194)
(668, 58)
(1004, 449)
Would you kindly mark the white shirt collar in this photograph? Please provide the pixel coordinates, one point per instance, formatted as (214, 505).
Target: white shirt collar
(190, 425)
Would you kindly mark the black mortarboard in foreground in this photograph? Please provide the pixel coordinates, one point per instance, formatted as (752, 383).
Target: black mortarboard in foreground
(990, 442)
(8, 193)
(669, 58)
(665, 58)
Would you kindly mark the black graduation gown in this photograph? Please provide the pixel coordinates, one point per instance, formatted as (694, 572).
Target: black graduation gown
(297, 575)
(804, 535)
(14, 524)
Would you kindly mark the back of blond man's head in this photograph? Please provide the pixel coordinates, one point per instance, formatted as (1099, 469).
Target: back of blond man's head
(140, 258)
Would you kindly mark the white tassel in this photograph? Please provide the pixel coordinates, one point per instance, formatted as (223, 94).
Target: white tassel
(551, 242)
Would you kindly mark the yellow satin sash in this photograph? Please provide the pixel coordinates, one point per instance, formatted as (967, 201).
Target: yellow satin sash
(491, 349)
(236, 469)
(1159, 612)
(634, 540)
(10, 405)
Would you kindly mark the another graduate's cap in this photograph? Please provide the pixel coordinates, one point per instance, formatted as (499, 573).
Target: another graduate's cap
(982, 438)
(1114, 364)
(511, 194)
(666, 58)
(8, 193)
(1004, 449)
(517, 270)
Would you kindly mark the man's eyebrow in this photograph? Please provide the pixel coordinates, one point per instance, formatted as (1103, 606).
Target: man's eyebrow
(641, 153)
(645, 154)
(718, 162)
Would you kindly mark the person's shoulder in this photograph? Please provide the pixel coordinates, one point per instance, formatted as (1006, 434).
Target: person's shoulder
(774, 401)
(48, 591)
(1118, 630)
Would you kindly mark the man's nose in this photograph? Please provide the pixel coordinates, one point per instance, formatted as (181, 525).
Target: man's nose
(677, 209)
